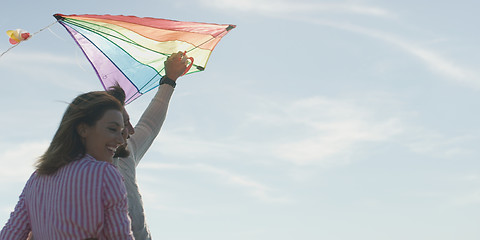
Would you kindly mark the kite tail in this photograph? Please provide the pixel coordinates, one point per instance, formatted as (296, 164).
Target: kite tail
(10, 48)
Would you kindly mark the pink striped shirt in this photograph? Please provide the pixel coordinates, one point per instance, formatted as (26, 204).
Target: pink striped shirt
(84, 199)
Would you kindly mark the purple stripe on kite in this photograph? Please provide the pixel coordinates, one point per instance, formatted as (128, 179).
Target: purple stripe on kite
(101, 64)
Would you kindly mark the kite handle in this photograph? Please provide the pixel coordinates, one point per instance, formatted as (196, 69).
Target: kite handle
(189, 66)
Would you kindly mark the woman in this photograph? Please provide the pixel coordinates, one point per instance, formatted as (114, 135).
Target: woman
(75, 192)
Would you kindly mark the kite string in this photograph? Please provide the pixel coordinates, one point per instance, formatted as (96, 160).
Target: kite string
(56, 35)
(51, 24)
(10, 48)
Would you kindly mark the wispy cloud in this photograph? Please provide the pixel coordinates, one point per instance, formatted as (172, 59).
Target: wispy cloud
(469, 185)
(296, 12)
(317, 131)
(18, 160)
(185, 144)
(437, 63)
(472, 198)
(18, 57)
(330, 127)
(310, 131)
(53, 68)
(438, 145)
(254, 188)
(285, 7)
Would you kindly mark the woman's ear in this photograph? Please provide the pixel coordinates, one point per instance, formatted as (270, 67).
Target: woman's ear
(82, 130)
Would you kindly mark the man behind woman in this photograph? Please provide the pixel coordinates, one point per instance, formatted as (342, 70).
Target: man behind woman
(76, 192)
(138, 139)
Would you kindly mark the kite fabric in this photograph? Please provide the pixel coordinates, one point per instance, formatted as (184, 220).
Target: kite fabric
(131, 50)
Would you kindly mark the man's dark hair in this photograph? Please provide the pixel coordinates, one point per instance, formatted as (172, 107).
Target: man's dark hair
(117, 92)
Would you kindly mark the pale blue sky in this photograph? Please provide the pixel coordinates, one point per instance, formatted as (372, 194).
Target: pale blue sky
(313, 120)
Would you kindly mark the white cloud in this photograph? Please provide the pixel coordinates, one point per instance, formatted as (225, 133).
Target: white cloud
(437, 63)
(310, 131)
(158, 200)
(435, 144)
(18, 160)
(37, 57)
(330, 128)
(60, 70)
(472, 178)
(433, 60)
(286, 7)
(316, 131)
(255, 189)
(182, 143)
(472, 198)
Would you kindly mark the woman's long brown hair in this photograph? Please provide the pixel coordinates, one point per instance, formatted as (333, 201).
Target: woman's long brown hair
(66, 145)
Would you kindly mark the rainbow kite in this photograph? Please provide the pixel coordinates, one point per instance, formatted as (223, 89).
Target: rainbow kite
(131, 50)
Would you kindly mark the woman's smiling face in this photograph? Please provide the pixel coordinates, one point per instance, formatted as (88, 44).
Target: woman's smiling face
(102, 139)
